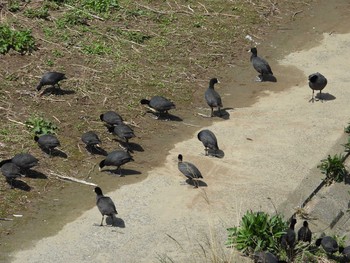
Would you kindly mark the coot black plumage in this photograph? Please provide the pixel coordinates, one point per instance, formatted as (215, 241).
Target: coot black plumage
(159, 104)
(47, 142)
(288, 239)
(212, 97)
(304, 233)
(209, 140)
(91, 139)
(11, 172)
(111, 118)
(123, 131)
(51, 78)
(260, 64)
(329, 244)
(265, 257)
(116, 158)
(189, 170)
(317, 82)
(346, 253)
(104, 204)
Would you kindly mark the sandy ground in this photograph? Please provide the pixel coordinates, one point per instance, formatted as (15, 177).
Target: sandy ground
(269, 148)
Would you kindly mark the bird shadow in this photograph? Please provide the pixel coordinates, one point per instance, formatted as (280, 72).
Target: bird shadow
(55, 153)
(223, 113)
(267, 78)
(96, 150)
(217, 153)
(57, 91)
(130, 146)
(35, 174)
(324, 96)
(115, 221)
(121, 172)
(165, 116)
(196, 183)
(19, 184)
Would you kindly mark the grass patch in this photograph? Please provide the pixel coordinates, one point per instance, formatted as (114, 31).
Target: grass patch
(39, 126)
(334, 168)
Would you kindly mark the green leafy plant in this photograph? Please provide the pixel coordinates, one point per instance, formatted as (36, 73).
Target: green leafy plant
(347, 146)
(97, 48)
(333, 168)
(40, 126)
(13, 6)
(22, 41)
(73, 17)
(347, 128)
(257, 231)
(42, 13)
(100, 6)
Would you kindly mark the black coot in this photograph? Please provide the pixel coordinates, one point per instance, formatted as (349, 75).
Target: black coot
(51, 78)
(317, 82)
(329, 244)
(189, 170)
(105, 205)
(91, 139)
(116, 158)
(159, 104)
(47, 142)
(304, 233)
(111, 118)
(11, 172)
(260, 64)
(212, 97)
(209, 141)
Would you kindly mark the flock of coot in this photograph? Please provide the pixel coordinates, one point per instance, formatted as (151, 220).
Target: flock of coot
(21, 163)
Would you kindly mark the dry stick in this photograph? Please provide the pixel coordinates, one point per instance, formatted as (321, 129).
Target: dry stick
(6, 219)
(72, 179)
(298, 12)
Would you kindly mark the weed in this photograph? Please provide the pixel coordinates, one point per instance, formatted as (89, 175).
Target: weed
(49, 62)
(41, 13)
(347, 128)
(257, 231)
(100, 6)
(97, 48)
(22, 41)
(347, 146)
(57, 53)
(40, 126)
(72, 18)
(13, 6)
(333, 168)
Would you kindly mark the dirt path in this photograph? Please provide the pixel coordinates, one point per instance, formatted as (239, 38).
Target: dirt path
(269, 148)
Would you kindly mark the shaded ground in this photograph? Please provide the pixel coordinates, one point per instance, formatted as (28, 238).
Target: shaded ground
(146, 134)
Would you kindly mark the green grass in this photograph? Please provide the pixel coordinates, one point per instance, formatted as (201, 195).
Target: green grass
(39, 126)
(334, 168)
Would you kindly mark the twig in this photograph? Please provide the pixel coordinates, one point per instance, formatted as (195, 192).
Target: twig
(72, 179)
(298, 12)
(18, 122)
(6, 219)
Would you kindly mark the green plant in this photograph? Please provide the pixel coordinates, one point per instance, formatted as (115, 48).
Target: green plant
(21, 41)
(42, 13)
(73, 17)
(100, 6)
(347, 128)
(39, 126)
(257, 231)
(333, 168)
(347, 146)
(13, 6)
(96, 48)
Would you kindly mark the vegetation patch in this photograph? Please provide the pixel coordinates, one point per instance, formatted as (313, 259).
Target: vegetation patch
(334, 168)
(257, 231)
(21, 41)
(39, 126)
